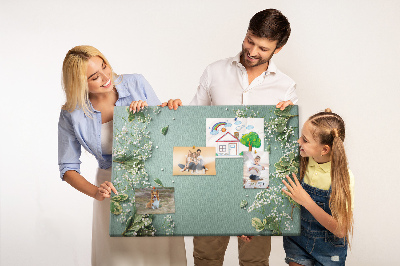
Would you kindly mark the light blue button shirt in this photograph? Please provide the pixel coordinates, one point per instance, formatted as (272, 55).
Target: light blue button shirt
(75, 129)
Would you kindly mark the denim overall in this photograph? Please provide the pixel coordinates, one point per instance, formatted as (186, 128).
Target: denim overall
(315, 245)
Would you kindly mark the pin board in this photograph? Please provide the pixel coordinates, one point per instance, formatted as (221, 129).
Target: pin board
(204, 170)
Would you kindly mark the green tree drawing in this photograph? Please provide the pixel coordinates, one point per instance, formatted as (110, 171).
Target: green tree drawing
(251, 140)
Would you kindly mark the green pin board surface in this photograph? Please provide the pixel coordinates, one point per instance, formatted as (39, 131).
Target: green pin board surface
(204, 204)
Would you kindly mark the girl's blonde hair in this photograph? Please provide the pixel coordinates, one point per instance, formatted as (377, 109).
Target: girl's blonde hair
(74, 79)
(329, 129)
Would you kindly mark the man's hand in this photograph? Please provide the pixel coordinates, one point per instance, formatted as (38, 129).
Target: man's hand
(246, 239)
(172, 104)
(283, 105)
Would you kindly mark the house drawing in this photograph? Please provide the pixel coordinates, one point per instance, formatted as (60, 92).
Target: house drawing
(228, 144)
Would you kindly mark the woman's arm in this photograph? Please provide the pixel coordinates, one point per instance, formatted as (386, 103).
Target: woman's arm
(80, 183)
(298, 194)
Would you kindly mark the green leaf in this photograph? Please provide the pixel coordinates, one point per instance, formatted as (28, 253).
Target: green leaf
(257, 224)
(130, 233)
(158, 182)
(129, 223)
(278, 166)
(136, 227)
(285, 112)
(119, 198)
(138, 115)
(164, 130)
(280, 128)
(138, 218)
(284, 163)
(293, 169)
(115, 208)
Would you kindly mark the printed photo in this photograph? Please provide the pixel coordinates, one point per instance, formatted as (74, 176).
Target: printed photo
(255, 170)
(233, 136)
(155, 200)
(194, 161)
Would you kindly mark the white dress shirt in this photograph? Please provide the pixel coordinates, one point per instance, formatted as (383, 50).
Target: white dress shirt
(225, 82)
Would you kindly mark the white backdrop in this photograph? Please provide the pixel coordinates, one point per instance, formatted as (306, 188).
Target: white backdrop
(343, 54)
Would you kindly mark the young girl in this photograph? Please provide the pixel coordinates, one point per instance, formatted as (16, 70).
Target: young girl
(189, 159)
(325, 194)
(255, 169)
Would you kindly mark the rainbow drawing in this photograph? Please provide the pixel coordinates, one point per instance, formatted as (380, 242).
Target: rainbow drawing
(217, 125)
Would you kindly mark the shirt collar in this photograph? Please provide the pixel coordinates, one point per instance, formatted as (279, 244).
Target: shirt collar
(272, 68)
(236, 59)
(326, 167)
(122, 91)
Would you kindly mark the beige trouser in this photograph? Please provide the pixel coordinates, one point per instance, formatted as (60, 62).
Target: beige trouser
(210, 250)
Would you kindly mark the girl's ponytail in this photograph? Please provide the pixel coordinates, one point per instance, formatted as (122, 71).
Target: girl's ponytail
(340, 200)
(330, 130)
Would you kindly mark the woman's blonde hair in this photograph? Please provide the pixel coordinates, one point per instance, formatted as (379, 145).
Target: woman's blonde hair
(329, 129)
(74, 78)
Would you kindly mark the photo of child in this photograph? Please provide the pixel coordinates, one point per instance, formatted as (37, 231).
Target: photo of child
(255, 170)
(194, 161)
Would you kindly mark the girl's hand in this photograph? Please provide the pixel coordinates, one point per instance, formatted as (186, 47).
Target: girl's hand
(296, 191)
(172, 104)
(283, 105)
(136, 106)
(246, 238)
(104, 191)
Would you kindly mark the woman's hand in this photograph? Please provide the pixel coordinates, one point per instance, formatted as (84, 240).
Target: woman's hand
(296, 191)
(283, 105)
(104, 191)
(246, 238)
(172, 104)
(136, 106)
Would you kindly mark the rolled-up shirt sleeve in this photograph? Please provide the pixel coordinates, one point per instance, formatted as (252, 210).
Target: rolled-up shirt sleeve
(202, 96)
(69, 148)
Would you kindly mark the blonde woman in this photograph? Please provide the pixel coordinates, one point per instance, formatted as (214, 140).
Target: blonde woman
(92, 90)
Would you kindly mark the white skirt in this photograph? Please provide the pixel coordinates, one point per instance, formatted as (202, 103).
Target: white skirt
(121, 251)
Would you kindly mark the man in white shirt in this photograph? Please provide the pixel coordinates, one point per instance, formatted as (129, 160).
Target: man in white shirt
(200, 165)
(249, 78)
